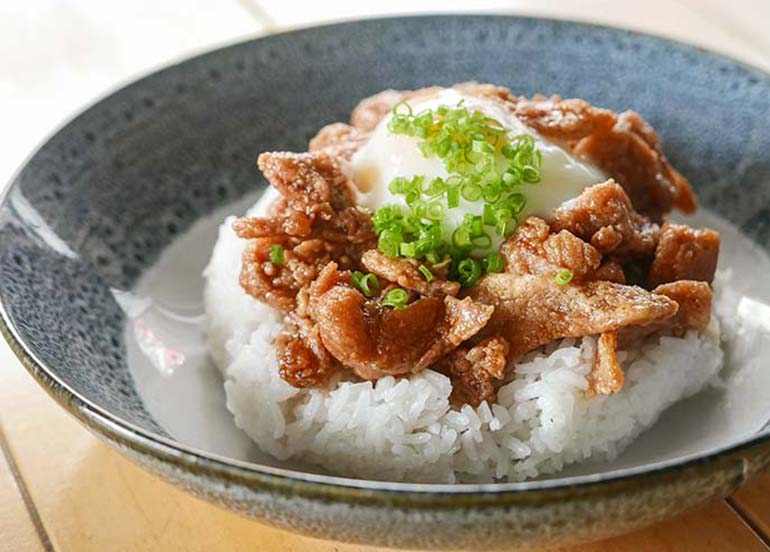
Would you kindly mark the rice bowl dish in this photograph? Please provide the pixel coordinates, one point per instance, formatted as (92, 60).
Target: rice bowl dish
(575, 396)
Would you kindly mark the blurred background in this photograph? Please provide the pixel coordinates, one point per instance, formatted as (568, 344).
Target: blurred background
(57, 56)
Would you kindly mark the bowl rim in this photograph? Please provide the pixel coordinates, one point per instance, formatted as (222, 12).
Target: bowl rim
(146, 442)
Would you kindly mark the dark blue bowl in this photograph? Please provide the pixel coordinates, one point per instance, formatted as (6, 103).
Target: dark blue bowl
(97, 203)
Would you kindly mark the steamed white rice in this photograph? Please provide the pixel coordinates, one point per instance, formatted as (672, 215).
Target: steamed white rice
(405, 430)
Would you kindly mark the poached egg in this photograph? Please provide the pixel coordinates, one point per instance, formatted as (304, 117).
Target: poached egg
(386, 156)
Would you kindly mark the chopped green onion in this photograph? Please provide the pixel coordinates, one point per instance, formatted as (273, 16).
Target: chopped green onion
(395, 298)
(277, 256)
(530, 174)
(484, 241)
(471, 192)
(435, 187)
(469, 271)
(408, 249)
(389, 242)
(511, 178)
(491, 193)
(475, 224)
(402, 108)
(367, 283)
(425, 271)
(488, 215)
(461, 237)
(453, 197)
(485, 163)
(493, 262)
(435, 211)
(516, 203)
(563, 278)
(433, 258)
(505, 227)
(508, 151)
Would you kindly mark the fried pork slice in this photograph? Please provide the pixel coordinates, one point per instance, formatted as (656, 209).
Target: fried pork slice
(631, 153)
(533, 249)
(277, 284)
(475, 372)
(315, 222)
(338, 139)
(563, 121)
(406, 273)
(625, 146)
(375, 341)
(611, 271)
(607, 376)
(603, 216)
(694, 299)
(303, 361)
(531, 310)
(694, 313)
(684, 254)
(312, 183)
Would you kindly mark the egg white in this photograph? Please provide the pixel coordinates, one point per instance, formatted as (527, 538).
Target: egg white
(386, 156)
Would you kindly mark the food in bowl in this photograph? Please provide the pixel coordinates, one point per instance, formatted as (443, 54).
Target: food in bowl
(463, 285)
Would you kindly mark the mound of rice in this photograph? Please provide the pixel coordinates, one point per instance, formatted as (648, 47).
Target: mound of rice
(405, 430)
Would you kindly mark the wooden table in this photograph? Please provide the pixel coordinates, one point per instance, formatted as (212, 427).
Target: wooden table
(61, 489)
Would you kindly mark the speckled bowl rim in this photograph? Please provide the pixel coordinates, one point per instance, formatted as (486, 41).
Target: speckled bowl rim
(206, 463)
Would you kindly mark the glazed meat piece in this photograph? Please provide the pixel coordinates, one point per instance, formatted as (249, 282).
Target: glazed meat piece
(694, 299)
(631, 153)
(607, 375)
(302, 358)
(315, 222)
(624, 146)
(475, 372)
(694, 312)
(563, 121)
(310, 183)
(338, 139)
(317, 201)
(684, 254)
(533, 249)
(611, 271)
(277, 285)
(406, 274)
(531, 310)
(375, 341)
(603, 216)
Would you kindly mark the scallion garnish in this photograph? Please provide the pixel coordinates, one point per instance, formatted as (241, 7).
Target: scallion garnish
(367, 283)
(563, 278)
(469, 271)
(395, 298)
(485, 163)
(493, 262)
(277, 256)
(425, 271)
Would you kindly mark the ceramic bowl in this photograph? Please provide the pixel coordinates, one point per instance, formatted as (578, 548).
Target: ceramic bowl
(94, 207)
